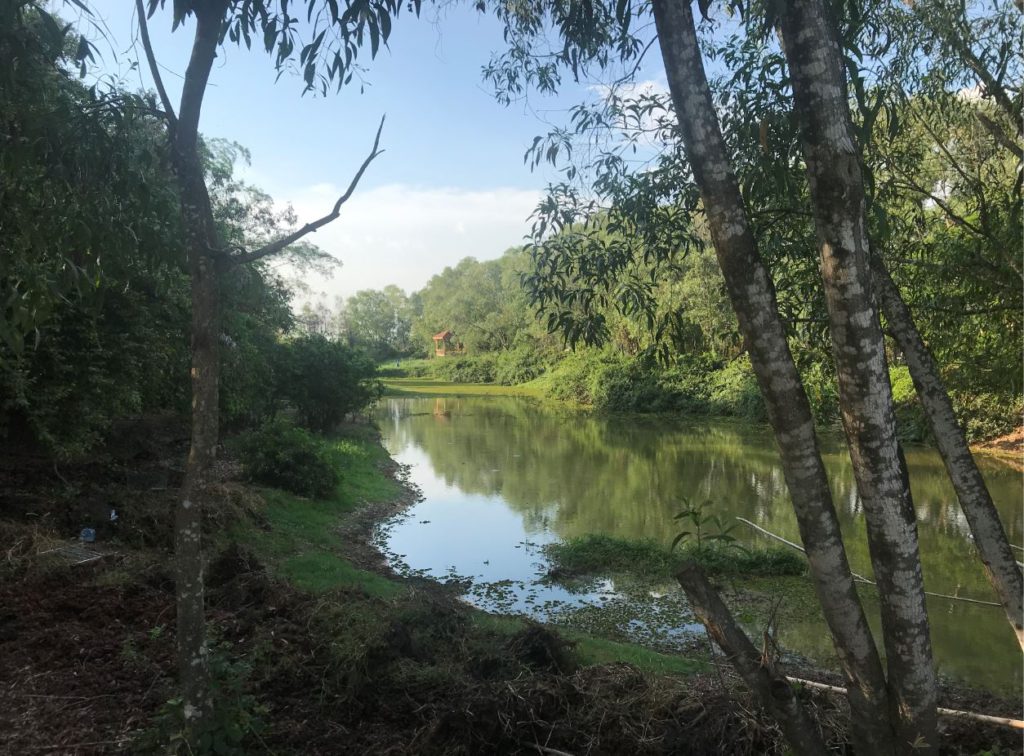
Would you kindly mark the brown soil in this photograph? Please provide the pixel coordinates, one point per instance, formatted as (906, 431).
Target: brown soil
(1008, 449)
(86, 652)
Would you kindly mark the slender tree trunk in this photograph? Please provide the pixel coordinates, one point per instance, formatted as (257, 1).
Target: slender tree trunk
(759, 674)
(752, 294)
(986, 527)
(839, 204)
(202, 246)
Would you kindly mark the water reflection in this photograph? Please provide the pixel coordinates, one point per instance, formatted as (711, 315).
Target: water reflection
(498, 472)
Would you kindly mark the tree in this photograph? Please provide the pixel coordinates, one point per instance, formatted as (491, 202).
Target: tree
(569, 279)
(840, 207)
(209, 255)
(380, 321)
(482, 302)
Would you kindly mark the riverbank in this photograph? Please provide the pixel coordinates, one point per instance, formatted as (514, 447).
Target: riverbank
(692, 386)
(317, 647)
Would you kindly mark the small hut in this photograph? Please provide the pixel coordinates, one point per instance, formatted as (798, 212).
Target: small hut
(445, 344)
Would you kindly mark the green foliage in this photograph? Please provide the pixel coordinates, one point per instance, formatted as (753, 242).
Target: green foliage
(734, 389)
(282, 455)
(235, 715)
(478, 369)
(988, 415)
(601, 555)
(701, 521)
(483, 303)
(521, 364)
(325, 380)
(380, 321)
(911, 423)
(301, 543)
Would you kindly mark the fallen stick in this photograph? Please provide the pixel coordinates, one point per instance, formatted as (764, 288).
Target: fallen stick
(1005, 721)
(861, 578)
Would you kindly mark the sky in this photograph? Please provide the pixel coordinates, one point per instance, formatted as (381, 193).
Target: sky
(451, 183)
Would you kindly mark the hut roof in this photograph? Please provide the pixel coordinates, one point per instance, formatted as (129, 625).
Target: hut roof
(443, 335)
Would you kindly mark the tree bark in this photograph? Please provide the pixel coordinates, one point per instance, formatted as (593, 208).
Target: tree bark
(986, 527)
(839, 204)
(203, 249)
(752, 294)
(771, 688)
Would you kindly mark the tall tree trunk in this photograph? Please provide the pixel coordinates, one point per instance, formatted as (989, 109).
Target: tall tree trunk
(752, 294)
(202, 247)
(975, 500)
(865, 395)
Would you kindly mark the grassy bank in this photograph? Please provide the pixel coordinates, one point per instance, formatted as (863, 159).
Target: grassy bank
(299, 542)
(606, 380)
(433, 387)
(601, 554)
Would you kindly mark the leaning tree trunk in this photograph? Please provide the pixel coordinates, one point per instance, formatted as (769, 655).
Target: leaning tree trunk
(865, 395)
(975, 500)
(752, 294)
(759, 673)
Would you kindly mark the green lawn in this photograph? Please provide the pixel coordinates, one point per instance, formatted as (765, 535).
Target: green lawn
(433, 387)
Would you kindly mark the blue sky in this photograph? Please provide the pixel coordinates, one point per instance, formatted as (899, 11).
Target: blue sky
(452, 180)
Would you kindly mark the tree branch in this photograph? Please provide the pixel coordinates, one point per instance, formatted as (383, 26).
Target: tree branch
(153, 69)
(1000, 136)
(276, 246)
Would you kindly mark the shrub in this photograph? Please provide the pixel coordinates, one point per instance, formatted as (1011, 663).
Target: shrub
(911, 423)
(519, 365)
(281, 455)
(822, 392)
(325, 380)
(476, 369)
(988, 415)
(734, 391)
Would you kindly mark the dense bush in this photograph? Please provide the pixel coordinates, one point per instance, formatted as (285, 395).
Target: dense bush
(734, 391)
(325, 380)
(988, 415)
(519, 365)
(281, 455)
(695, 385)
(911, 423)
(475, 369)
(822, 392)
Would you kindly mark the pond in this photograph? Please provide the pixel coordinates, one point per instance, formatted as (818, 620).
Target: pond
(501, 477)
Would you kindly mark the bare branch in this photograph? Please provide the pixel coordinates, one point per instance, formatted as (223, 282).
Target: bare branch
(153, 68)
(276, 246)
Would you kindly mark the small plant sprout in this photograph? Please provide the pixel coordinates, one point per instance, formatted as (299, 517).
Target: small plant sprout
(705, 527)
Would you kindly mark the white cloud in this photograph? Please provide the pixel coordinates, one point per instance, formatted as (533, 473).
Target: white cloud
(403, 235)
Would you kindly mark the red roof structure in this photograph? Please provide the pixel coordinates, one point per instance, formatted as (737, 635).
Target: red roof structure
(443, 345)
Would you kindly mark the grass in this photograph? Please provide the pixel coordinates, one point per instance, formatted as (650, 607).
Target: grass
(434, 387)
(301, 543)
(601, 554)
(591, 649)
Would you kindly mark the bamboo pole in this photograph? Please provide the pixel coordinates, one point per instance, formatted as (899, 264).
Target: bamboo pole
(1017, 724)
(861, 578)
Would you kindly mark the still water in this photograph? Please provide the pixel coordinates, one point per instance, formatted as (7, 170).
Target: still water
(502, 476)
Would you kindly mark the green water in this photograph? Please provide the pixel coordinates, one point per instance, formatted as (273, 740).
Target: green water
(501, 476)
